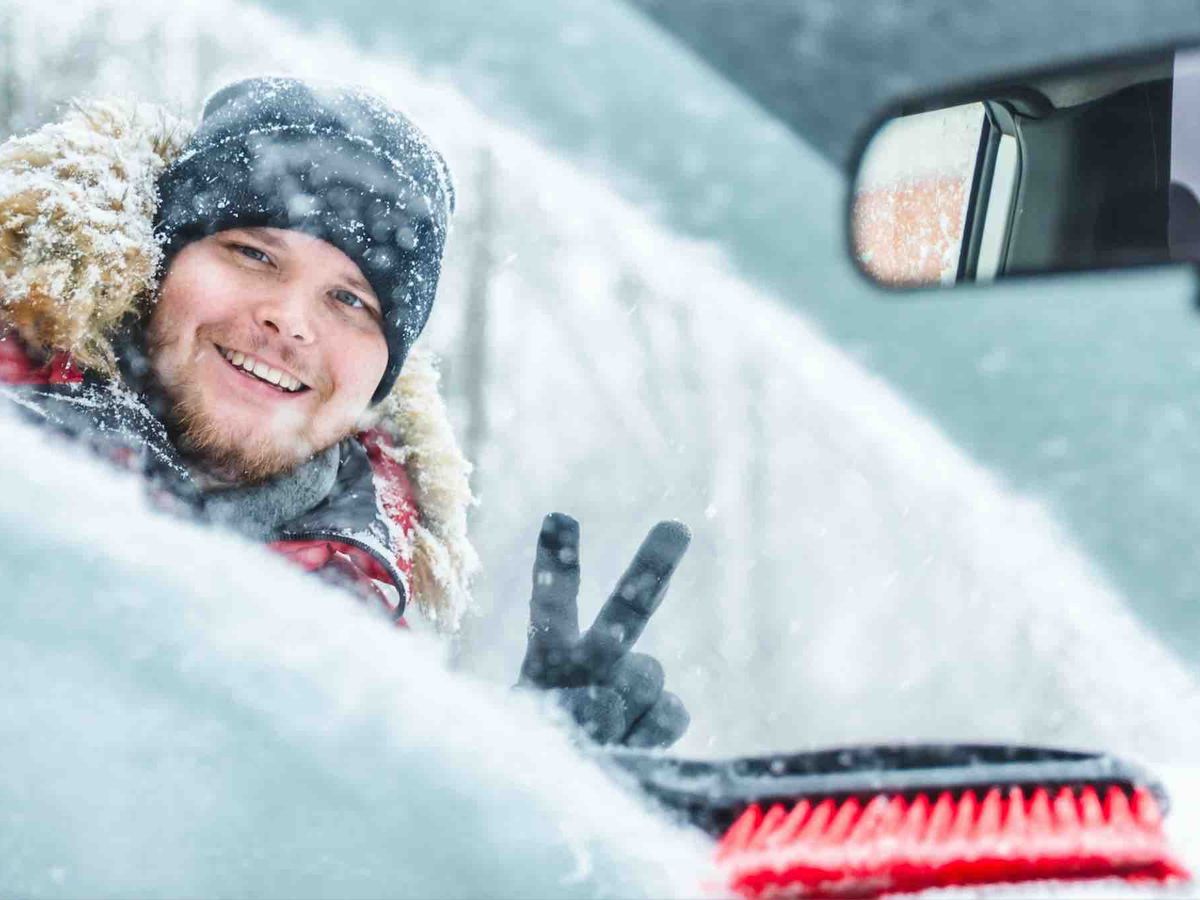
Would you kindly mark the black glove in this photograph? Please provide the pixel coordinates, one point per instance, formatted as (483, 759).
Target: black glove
(615, 696)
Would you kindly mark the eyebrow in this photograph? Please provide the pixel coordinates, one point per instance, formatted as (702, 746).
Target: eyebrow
(264, 235)
(356, 281)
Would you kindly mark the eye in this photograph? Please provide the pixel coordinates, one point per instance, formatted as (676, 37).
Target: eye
(352, 300)
(251, 253)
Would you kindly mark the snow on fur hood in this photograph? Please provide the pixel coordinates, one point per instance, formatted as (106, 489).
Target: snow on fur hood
(77, 255)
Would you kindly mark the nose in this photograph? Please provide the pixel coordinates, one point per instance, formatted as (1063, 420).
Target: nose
(285, 313)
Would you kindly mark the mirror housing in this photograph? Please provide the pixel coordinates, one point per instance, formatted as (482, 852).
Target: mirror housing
(1095, 166)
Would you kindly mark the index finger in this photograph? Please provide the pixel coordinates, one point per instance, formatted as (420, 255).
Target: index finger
(553, 610)
(638, 594)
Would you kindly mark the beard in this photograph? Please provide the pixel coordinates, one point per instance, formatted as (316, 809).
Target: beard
(220, 451)
(224, 453)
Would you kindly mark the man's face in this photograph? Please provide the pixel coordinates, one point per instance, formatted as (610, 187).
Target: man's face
(292, 308)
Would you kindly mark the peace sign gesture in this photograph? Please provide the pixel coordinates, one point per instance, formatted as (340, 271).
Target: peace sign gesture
(616, 696)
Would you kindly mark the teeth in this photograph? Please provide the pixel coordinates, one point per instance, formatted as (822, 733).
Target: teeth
(261, 370)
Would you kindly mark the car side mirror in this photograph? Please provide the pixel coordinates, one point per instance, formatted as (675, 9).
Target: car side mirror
(1092, 167)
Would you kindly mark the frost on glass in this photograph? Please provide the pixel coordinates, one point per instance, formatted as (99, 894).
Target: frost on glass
(911, 196)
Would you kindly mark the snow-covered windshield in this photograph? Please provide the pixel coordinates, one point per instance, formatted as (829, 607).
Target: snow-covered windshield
(911, 521)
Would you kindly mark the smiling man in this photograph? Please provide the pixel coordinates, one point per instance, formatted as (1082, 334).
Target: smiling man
(231, 314)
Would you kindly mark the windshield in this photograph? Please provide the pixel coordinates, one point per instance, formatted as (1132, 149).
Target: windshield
(928, 520)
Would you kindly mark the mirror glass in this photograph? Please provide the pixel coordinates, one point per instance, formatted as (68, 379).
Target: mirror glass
(1096, 167)
(911, 196)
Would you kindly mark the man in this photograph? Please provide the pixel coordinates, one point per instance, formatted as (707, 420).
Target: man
(230, 315)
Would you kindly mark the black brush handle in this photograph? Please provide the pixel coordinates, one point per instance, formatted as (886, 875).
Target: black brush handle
(713, 793)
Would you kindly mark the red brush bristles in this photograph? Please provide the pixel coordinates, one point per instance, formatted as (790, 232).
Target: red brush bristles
(889, 844)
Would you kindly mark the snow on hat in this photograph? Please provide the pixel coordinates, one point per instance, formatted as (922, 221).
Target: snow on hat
(336, 163)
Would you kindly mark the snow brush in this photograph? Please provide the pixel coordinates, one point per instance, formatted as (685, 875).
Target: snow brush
(865, 821)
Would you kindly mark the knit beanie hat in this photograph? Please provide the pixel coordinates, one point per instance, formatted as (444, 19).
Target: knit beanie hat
(333, 162)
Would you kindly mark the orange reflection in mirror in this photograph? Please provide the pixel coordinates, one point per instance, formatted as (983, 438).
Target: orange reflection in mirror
(909, 234)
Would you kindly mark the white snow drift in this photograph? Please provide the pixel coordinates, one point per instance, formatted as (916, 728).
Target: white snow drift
(186, 715)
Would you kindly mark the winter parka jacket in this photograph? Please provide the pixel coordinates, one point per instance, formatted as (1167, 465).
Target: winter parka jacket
(78, 262)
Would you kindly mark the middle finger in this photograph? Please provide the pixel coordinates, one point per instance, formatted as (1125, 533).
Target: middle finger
(624, 615)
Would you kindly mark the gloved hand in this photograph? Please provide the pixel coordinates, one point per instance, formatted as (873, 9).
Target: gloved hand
(616, 696)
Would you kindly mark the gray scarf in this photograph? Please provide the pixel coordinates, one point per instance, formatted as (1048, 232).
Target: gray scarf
(259, 510)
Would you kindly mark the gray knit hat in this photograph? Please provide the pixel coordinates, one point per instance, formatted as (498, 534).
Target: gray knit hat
(333, 162)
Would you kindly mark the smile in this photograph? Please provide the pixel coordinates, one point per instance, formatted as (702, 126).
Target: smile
(260, 370)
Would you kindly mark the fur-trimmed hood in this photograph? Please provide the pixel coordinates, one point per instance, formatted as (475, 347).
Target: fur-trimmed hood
(78, 255)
